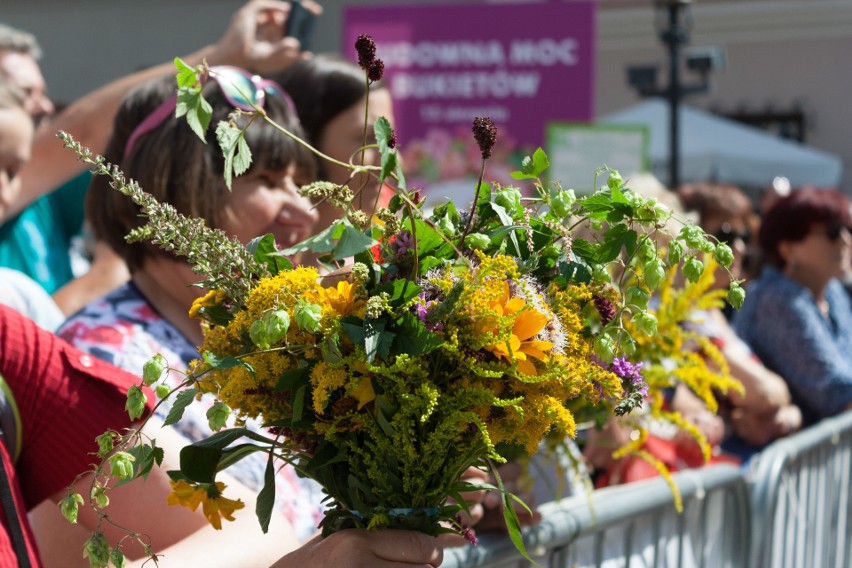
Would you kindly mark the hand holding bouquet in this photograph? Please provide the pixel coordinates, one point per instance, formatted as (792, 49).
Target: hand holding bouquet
(438, 336)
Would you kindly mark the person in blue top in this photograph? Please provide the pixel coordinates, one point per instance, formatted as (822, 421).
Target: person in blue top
(797, 318)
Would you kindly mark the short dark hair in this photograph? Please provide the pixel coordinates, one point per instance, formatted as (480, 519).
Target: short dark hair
(792, 217)
(176, 167)
(323, 87)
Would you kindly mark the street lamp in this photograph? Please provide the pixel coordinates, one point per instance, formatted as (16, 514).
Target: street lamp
(673, 22)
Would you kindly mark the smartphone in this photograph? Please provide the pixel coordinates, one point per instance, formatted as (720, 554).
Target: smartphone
(300, 24)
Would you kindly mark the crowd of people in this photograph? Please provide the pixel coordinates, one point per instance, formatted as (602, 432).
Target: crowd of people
(74, 342)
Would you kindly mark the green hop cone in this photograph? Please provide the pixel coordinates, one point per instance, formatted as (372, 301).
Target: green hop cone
(509, 198)
(723, 255)
(653, 272)
(736, 295)
(70, 506)
(96, 549)
(162, 390)
(692, 269)
(615, 180)
(105, 443)
(477, 241)
(100, 497)
(605, 348)
(136, 400)
(153, 369)
(636, 296)
(675, 253)
(561, 203)
(308, 317)
(217, 415)
(121, 465)
(693, 236)
(117, 558)
(647, 251)
(600, 274)
(646, 323)
(270, 329)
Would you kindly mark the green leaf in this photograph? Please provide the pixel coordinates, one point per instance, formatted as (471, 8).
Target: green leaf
(216, 314)
(615, 238)
(233, 454)
(186, 75)
(264, 251)
(377, 341)
(533, 167)
(182, 400)
(507, 221)
(266, 497)
(412, 337)
(351, 242)
(299, 403)
(428, 238)
(321, 243)
(401, 291)
(584, 250)
(200, 461)
(598, 205)
(237, 154)
(198, 112)
(226, 362)
(540, 161)
(354, 328)
(292, 379)
(513, 524)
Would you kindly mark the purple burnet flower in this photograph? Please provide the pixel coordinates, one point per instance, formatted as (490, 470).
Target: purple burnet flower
(605, 309)
(485, 134)
(376, 70)
(366, 48)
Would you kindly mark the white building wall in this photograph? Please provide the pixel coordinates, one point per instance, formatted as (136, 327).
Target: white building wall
(778, 51)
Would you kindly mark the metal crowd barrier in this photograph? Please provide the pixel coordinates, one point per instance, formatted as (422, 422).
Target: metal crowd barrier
(632, 526)
(800, 498)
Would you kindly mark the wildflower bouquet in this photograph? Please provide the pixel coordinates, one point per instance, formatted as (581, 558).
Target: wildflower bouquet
(439, 335)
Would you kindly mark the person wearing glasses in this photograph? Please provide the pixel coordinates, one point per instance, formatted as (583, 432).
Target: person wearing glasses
(797, 318)
(766, 411)
(38, 222)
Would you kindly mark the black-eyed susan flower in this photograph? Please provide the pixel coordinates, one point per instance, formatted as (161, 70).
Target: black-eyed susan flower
(214, 506)
(520, 345)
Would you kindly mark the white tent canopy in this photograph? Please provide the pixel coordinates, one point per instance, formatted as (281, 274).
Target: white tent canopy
(714, 148)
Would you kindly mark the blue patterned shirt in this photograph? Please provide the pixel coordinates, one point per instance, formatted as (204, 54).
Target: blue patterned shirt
(783, 325)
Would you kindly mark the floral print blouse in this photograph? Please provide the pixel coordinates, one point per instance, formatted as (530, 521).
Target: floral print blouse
(124, 329)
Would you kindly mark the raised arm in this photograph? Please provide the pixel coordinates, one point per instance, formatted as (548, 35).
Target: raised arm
(254, 40)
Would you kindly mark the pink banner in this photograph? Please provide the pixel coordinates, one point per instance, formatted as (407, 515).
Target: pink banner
(523, 65)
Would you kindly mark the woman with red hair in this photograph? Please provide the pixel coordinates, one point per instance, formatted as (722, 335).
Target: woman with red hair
(797, 318)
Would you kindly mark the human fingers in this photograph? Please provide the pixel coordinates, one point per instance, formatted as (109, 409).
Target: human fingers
(405, 547)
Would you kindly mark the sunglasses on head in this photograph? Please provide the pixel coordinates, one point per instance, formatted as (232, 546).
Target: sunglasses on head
(726, 234)
(835, 231)
(242, 90)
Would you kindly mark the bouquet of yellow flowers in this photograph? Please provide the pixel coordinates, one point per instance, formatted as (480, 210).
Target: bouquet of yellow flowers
(443, 335)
